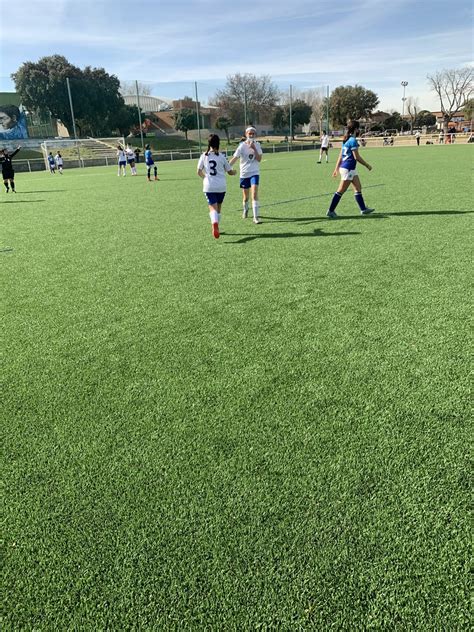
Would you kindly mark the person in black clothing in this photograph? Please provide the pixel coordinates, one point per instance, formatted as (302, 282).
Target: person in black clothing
(8, 173)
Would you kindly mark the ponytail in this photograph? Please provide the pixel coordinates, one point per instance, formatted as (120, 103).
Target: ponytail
(213, 143)
(352, 127)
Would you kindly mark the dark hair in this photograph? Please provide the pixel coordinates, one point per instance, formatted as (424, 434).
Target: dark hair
(147, 146)
(11, 110)
(213, 143)
(352, 127)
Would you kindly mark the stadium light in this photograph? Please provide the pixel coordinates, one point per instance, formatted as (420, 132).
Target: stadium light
(404, 84)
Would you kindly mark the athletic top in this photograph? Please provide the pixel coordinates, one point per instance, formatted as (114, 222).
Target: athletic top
(148, 157)
(51, 161)
(130, 154)
(248, 165)
(348, 160)
(121, 155)
(59, 160)
(324, 141)
(215, 168)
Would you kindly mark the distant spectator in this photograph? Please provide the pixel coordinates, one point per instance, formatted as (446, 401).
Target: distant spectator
(417, 136)
(137, 155)
(441, 138)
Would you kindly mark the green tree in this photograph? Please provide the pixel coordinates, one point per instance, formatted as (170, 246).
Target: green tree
(223, 123)
(184, 120)
(351, 103)
(454, 88)
(257, 95)
(425, 118)
(279, 119)
(301, 112)
(394, 121)
(468, 111)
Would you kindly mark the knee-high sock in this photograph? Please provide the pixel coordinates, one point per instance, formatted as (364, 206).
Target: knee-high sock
(214, 215)
(148, 171)
(155, 171)
(12, 184)
(336, 198)
(5, 182)
(360, 200)
(255, 207)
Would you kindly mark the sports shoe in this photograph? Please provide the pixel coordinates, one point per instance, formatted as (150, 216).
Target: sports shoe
(331, 214)
(156, 178)
(256, 220)
(319, 162)
(215, 230)
(245, 214)
(367, 211)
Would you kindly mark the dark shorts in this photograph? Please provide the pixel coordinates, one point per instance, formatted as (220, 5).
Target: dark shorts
(150, 164)
(8, 174)
(214, 198)
(246, 183)
(122, 163)
(324, 149)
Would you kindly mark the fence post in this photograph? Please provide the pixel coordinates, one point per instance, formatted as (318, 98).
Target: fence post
(106, 161)
(171, 154)
(190, 154)
(29, 166)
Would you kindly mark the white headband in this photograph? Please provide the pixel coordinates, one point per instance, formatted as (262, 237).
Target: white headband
(250, 129)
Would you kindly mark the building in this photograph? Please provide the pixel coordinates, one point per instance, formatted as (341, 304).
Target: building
(458, 121)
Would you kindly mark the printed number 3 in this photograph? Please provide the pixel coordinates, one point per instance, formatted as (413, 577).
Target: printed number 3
(213, 165)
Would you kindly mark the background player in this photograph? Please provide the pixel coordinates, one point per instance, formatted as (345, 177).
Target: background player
(51, 163)
(324, 147)
(212, 167)
(122, 161)
(59, 162)
(250, 154)
(346, 167)
(150, 163)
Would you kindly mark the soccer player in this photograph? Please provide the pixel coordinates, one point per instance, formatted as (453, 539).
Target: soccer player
(250, 153)
(59, 162)
(212, 167)
(324, 147)
(122, 161)
(52, 163)
(131, 160)
(8, 173)
(346, 167)
(150, 163)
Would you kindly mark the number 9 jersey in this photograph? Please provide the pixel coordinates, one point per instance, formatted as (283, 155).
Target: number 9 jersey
(214, 167)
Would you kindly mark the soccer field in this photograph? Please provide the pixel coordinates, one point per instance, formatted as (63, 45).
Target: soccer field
(269, 430)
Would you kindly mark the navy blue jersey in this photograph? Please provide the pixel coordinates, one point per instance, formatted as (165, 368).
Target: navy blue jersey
(148, 157)
(51, 161)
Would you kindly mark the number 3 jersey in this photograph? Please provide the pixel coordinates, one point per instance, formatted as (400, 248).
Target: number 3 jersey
(249, 166)
(215, 167)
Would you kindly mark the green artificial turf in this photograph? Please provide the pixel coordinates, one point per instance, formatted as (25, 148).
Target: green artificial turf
(268, 431)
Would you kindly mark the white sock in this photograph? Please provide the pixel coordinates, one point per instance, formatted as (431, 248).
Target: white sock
(255, 206)
(219, 218)
(214, 215)
(246, 207)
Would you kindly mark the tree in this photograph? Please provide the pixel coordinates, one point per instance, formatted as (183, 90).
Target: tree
(223, 123)
(454, 88)
(412, 110)
(425, 119)
(351, 103)
(128, 88)
(317, 101)
(124, 119)
(184, 120)
(257, 95)
(394, 121)
(279, 119)
(42, 87)
(468, 111)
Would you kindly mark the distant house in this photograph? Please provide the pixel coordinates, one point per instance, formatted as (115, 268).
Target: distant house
(458, 121)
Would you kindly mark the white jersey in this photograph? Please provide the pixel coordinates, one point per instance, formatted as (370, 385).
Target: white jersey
(121, 155)
(248, 165)
(215, 167)
(324, 141)
(130, 154)
(59, 160)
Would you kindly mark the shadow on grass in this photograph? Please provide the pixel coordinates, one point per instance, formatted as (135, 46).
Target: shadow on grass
(42, 191)
(6, 250)
(22, 201)
(315, 233)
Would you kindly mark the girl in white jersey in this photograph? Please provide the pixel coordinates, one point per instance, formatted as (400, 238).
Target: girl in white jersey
(122, 160)
(250, 154)
(324, 147)
(212, 167)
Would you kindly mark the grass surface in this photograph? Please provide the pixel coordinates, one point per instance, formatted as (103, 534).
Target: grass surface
(268, 430)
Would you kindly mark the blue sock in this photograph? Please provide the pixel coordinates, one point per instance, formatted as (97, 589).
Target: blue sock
(336, 198)
(360, 200)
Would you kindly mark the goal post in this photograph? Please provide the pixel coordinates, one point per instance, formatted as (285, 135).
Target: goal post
(83, 152)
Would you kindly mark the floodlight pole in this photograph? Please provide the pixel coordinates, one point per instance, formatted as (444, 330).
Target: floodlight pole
(327, 110)
(245, 108)
(291, 113)
(73, 120)
(404, 84)
(139, 115)
(198, 115)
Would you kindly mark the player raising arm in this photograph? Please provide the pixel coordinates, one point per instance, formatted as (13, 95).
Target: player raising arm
(346, 167)
(212, 167)
(250, 154)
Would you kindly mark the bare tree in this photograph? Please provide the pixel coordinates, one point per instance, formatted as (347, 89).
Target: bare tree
(247, 96)
(315, 99)
(454, 88)
(413, 108)
(130, 88)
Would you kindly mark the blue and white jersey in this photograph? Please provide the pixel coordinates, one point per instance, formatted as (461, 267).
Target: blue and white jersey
(214, 167)
(348, 159)
(148, 157)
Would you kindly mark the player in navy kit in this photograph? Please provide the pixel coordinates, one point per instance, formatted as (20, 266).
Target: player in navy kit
(346, 167)
(52, 163)
(212, 167)
(8, 173)
(150, 163)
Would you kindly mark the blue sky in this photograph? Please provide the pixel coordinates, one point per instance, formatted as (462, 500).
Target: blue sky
(307, 43)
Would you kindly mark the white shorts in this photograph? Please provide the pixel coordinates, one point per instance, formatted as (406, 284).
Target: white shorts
(347, 174)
